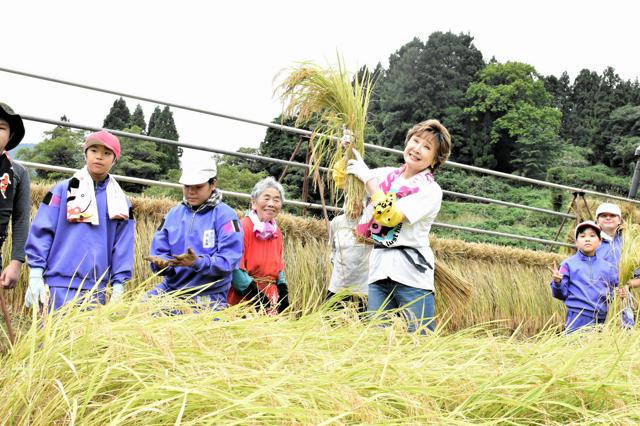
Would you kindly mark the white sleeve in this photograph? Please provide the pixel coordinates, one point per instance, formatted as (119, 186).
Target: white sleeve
(424, 203)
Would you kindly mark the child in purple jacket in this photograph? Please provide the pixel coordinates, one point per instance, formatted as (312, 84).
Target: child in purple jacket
(199, 243)
(82, 233)
(585, 281)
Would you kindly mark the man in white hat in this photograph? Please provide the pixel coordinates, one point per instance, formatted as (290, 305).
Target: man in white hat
(199, 243)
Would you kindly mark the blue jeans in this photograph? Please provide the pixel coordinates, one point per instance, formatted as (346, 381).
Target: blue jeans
(418, 303)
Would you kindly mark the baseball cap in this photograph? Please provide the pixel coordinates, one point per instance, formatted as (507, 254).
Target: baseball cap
(608, 208)
(198, 174)
(587, 224)
(103, 138)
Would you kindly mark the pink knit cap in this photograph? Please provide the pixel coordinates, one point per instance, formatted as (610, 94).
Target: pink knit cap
(103, 138)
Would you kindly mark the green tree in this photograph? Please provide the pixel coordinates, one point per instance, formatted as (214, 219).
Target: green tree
(560, 91)
(137, 119)
(235, 178)
(282, 145)
(162, 125)
(428, 80)
(517, 127)
(118, 117)
(61, 147)
(621, 137)
(139, 159)
(154, 119)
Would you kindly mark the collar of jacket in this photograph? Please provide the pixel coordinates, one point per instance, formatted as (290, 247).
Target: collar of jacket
(586, 258)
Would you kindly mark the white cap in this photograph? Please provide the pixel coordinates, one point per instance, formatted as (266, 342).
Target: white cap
(195, 175)
(608, 208)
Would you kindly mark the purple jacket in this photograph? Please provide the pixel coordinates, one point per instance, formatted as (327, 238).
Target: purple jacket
(610, 249)
(587, 283)
(214, 233)
(76, 255)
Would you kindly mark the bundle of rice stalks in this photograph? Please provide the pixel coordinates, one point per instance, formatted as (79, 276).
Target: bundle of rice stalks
(334, 100)
(629, 252)
(622, 307)
(453, 290)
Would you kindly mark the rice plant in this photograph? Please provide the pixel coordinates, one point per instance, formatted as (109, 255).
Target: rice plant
(131, 363)
(334, 100)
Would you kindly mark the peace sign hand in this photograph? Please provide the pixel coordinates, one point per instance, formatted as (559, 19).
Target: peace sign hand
(555, 273)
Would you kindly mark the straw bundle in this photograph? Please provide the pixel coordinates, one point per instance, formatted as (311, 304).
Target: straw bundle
(335, 100)
(453, 290)
(629, 253)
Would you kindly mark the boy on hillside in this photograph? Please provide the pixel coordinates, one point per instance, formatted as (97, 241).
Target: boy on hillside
(585, 281)
(15, 195)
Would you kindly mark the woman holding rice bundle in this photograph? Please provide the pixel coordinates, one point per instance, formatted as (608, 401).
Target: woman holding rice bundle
(404, 203)
(260, 276)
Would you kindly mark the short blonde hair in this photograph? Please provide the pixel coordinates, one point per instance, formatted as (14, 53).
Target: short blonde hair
(440, 134)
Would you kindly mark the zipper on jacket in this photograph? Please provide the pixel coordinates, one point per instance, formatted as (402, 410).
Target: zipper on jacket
(193, 217)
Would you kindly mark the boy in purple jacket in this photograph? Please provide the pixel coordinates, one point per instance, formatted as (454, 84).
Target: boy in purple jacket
(82, 233)
(199, 243)
(585, 281)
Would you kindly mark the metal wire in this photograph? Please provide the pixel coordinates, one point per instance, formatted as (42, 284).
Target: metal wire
(296, 203)
(309, 133)
(274, 160)
(149, 182)
(169, 142)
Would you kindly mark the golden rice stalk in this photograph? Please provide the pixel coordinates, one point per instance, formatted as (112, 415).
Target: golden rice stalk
(452, 289)
(629, 253)
(334, 100)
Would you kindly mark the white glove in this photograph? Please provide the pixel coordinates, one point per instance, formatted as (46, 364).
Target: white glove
(359, 168)
(116, 292)
(37, 291)
(345, 140)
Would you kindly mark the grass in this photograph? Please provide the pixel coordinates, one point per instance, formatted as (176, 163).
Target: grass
(127, 363)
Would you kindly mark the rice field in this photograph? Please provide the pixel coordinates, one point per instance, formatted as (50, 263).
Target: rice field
(500, 360)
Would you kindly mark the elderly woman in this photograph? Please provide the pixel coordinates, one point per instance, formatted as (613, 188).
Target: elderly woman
(260, 276)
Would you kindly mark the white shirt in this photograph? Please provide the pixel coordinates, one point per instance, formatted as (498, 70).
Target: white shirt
(419, 201)
(350, 257)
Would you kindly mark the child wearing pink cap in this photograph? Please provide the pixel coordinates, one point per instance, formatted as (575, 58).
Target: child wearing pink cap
(82, 235)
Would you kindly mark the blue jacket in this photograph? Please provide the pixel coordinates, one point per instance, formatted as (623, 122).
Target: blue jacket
(610, 249)
(214, 233)
(76, 255)
(587, 283)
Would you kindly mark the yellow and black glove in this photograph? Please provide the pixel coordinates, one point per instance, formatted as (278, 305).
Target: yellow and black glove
(385, 209)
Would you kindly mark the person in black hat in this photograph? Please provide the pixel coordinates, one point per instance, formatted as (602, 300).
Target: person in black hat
(15, 195)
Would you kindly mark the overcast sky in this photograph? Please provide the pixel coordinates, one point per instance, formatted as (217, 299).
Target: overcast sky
(223, 56)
